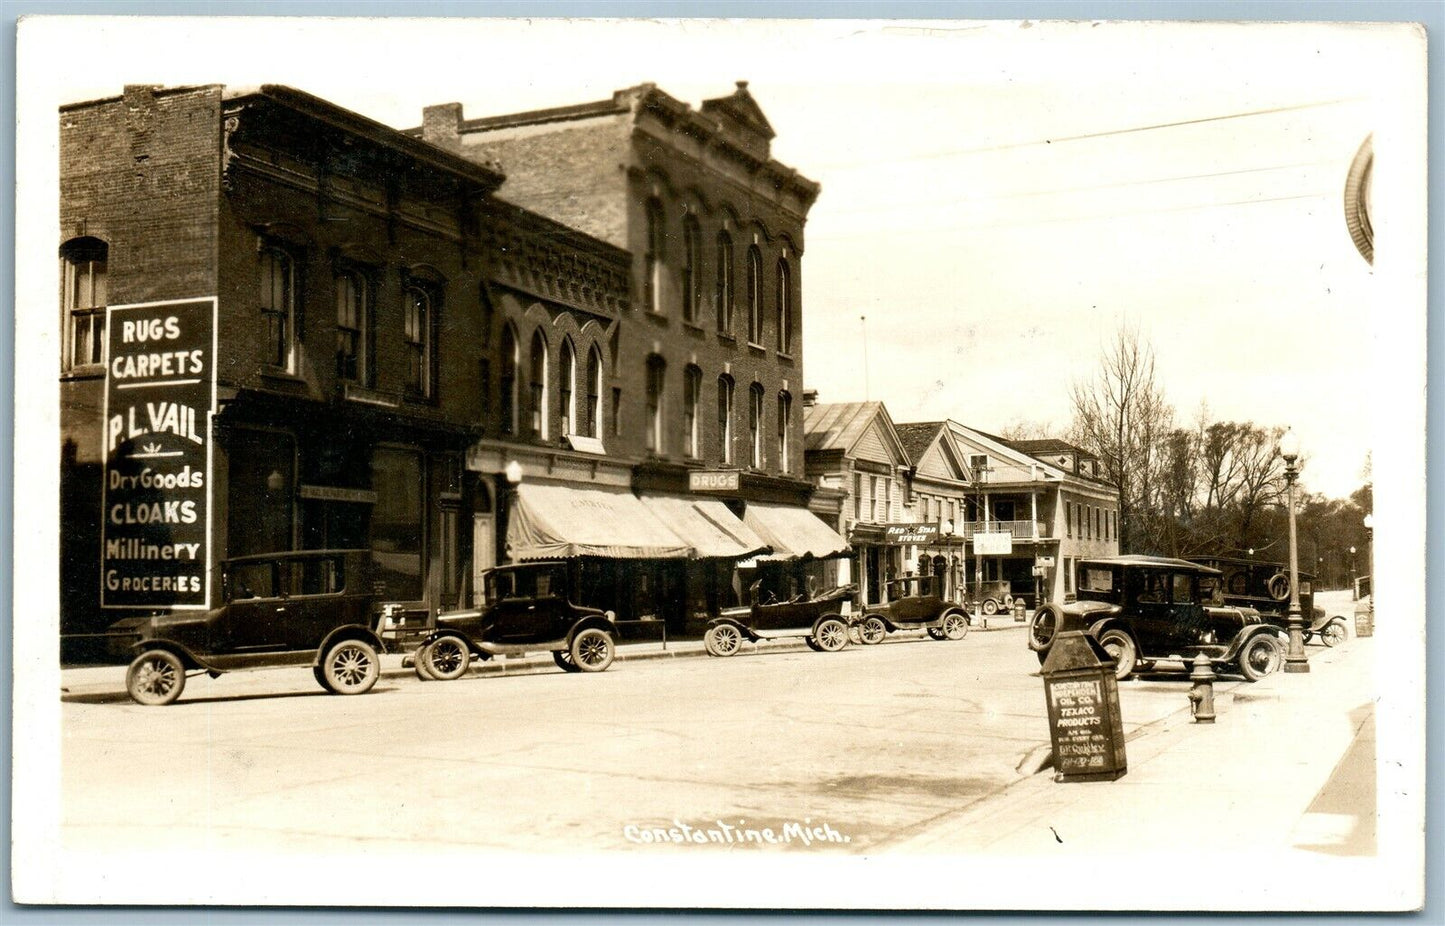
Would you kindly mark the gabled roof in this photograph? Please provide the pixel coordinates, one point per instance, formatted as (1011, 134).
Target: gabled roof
(741, 106)
(916, 436)
(1047, 447)
(841, 425)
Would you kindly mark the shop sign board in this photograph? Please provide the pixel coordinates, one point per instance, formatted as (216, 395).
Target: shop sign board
(910, 533)
(1045, 562)
(991, 544)
(712, 480)
(1086, 726)
(160, 396)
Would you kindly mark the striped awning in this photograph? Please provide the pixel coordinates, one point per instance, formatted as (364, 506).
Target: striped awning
(708, 525)
(557, 521)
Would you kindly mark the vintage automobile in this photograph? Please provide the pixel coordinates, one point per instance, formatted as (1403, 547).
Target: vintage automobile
(527, 608)
(1264, 586)
(993, 597)
(914, 603)
(313, 607)
(1145, 608)
(817, 619)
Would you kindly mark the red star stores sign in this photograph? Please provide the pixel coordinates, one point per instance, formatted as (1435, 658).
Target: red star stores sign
(160, 394)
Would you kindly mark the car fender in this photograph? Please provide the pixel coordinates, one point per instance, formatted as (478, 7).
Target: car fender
(188, 659)
(349, 632)
(858, 620)
(1249, 632)
(828, 617)
(589, 621)
(742, 628)
(437, 634)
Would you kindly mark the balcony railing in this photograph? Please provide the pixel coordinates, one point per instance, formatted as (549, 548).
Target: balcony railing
(1021, 530)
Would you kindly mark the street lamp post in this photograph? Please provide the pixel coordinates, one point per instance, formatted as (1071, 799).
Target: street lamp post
(1354, 592)
(1294, 660)
(980, 477)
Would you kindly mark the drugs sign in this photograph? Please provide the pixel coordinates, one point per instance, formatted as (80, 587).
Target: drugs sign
(160, 394)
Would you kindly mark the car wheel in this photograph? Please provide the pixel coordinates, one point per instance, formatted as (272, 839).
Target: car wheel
(955, 626)
(563, 658)
(872, 631)
(155, 677)
(936, 634)
(1042, 627)
(320, 677)
(1334, 633)
(421, 665)
(592, 650)
(722, 640)
(831, 635)
(448, 658)
(351, 667)
(1121, 647)
(813, 644)
(1008, 602)
(990, 606)
(1261, 656)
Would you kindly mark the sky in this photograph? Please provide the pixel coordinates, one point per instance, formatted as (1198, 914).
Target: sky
(997, 198)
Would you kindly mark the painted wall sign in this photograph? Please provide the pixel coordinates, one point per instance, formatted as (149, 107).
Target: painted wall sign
(911, 533)
(705, 481)
(160, 395)
(993, 544)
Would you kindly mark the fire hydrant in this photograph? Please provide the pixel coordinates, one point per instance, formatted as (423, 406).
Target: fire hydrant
(1201, 696)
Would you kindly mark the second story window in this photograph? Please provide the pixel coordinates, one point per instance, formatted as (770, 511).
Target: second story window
(567, 388)
(691, 389)
(419, 331)
(538, 380)
(656, 384)
(84, 300)
(857, 496)
(725, 418)
(755, 424)
(278, 307)
(755, 296)
(785, 432)
(353, 327)
(724, 283)
(654, 256)
(593, 426)
(508, 379)
(785, 308)
(691, 269)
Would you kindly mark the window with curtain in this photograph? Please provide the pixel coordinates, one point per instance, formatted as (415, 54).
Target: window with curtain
(507, 382)
(755, 424)
(785, 308)
(656, 383)
(594, 393)
(653, 257)
(724, 282)
(755, 296)
(567, 388)
(278, 306)
(691, 268)
(725, 418)
(353, 326)
(538, 382)
(84, 263)
(691, 390)
(785, 432)
(419, 305)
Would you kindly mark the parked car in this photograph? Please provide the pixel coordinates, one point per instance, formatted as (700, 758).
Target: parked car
(1264, 586)
(1145, 608)
(993, 597)
(914, 603)
(279, 609)
(817, 619)
(527, 607)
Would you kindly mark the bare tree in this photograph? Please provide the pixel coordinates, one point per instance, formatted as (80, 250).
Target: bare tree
(1121, 416)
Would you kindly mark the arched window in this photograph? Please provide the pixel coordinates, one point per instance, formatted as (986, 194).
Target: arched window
(725, 418)
(487, 317)
(656, 386)
(724, 282)
(691, 268)
(691, 391)
(755, 425)
(755, 295)
(538, 383)
(567, 388)
(594, 393)
(508, 383)
(278, 306)
(785, 307)
(85, 261)
(353, 326)
(785, 432)
(653, 258)
(420, 304)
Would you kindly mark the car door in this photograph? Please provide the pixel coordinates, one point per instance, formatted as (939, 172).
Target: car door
(255, 617)
(1186, 613)
(520, 616)
(314, 604)
(1149, 618)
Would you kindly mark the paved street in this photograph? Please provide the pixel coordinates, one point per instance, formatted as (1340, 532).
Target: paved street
(875, 743)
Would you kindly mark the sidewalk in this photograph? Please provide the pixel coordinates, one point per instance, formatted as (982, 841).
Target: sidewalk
(1287, 766)
(92, 680)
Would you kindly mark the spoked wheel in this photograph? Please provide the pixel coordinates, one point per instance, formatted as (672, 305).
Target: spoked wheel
(351, 667)
(1119, 645)
(592, 650)
(831, 635)
(1261, 656)
(1042, 627)
(563, 658)
(955, 626)
(155, 678)
(722, 640)
(872, 631)
(447, 658)
(1334, 633)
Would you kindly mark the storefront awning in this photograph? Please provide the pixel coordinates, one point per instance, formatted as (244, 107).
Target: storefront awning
(793, 532)
(554, 521)
(708, 525)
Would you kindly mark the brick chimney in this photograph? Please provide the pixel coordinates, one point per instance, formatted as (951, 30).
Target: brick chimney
(441, 124)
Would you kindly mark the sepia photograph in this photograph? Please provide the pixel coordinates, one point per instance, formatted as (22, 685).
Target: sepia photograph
(730, 464)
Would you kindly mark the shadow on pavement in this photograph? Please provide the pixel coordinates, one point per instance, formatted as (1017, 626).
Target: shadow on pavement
(1341, 818)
